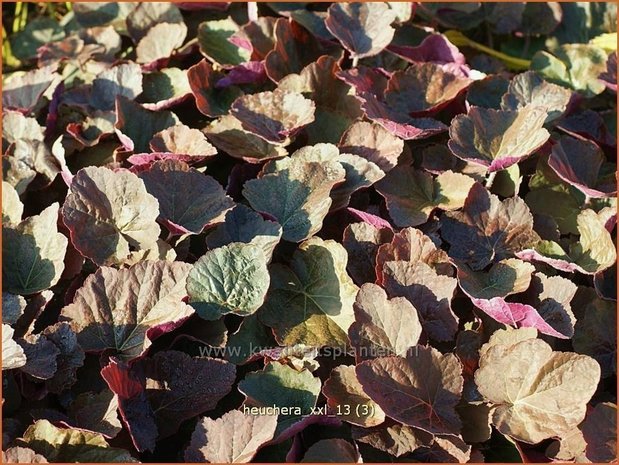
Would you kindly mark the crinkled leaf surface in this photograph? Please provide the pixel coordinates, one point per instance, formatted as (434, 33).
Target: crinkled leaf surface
(295, 192)
(581, 163)
(274, 116)
(214, 39)
(383, 327)
(71, 445)
(136, 126)
(429, 292)
(232, 278)
(423, 88)
(600, 432)
(124, 79)
(242, 224)
(575, 66)
(317, 294)
(488, 229)
(497, 138)
(228, 135)
(420, 390)
(181, 139)
(33, 253)
(122, 309)
(543, 393)
(160, 41)
(364, 29)
(372, 142)
(13, 355)
(530, 89)
(413, 195)
(344, 390)
(233, 438)
(282, 386)
(188, 200)
(109, 213)
(179, 387)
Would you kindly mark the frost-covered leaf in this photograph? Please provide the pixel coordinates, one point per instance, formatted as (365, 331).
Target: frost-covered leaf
(283, 386)
(109, 213)
(305, 186)
(230, 279)
(497, 139)
(487, 229)
(544, 393)
(382, 327)
(412, 195)
(420, 390)
(317, 293)
(125, 309)
(33, 253)
(275, 116)
(364, 29)
(71, 445)
(233, 438)
(188, 200)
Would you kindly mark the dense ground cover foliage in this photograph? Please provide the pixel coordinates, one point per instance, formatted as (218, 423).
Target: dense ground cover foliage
(309, 232)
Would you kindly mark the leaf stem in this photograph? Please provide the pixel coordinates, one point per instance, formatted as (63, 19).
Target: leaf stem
(355, 61)
(490, 179)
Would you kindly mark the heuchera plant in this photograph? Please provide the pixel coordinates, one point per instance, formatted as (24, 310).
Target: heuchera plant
(319, 232)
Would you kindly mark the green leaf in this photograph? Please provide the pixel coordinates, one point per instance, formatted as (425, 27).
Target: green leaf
(412, 195)
(71, 445)
(33, 253)
(214, 44)
(295, 192)
(576, 66)
(230, 279)
(282, 386)
(316, 293)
